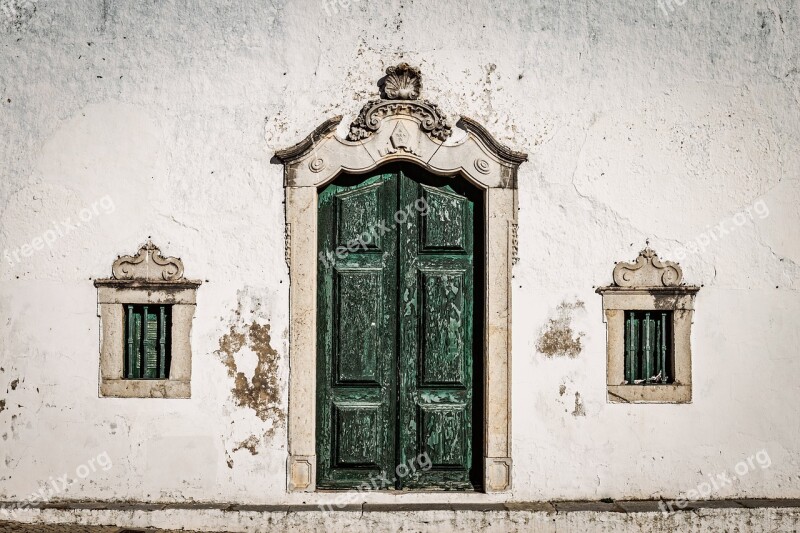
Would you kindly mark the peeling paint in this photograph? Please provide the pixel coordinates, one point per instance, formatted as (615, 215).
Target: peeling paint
(557, 338)
(248, 444)
(261, 392)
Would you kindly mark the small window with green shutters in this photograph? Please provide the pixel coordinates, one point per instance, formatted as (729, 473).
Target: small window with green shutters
(147, 341)
(648, 347)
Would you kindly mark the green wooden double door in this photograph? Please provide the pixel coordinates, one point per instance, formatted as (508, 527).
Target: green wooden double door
(399, 347)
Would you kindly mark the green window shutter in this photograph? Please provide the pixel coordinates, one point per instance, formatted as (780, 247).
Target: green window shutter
(631, 346)
(662, 348)
(133, 333)
(162, 342)
(146, 343)
(648, 326)
(648, 346)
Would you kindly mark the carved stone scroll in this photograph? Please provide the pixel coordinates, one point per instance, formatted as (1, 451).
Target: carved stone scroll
(648, 271)
(148, 264)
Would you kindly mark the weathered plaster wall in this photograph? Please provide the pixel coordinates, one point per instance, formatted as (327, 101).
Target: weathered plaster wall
(643, 119)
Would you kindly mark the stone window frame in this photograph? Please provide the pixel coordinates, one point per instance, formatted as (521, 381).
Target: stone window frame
(648, 284)
(146, 278)
(400, 127)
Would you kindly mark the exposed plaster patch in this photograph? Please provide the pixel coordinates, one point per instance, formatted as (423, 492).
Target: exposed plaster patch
(261, 392)
(557, 337)
(579, 410)
(248, 444)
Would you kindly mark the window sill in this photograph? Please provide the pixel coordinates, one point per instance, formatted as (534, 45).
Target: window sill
(145, 388)
(667, 393)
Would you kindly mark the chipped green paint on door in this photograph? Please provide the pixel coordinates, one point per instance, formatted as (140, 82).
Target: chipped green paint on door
(356, 332)
(435, 292)
(396, 337)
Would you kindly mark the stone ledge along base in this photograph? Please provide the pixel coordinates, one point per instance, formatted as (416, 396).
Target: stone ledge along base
(604, 516)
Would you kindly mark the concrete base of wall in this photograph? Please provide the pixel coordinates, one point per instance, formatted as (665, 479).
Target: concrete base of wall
(628, 516)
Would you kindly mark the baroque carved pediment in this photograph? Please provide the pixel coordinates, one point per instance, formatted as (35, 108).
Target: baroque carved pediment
(147, 269)
(648, 271)
(400, 91)
(148, 264)
(432, 120)
(401, 126)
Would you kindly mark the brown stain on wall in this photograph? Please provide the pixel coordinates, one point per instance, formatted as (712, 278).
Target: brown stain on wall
(248, 444)
(261, 392)
(557, 338)
(579, 409)
(666, 302)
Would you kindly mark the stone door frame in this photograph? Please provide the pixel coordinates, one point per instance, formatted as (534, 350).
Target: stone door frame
(400, 127)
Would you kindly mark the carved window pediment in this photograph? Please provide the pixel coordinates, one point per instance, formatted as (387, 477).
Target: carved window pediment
(147, 266)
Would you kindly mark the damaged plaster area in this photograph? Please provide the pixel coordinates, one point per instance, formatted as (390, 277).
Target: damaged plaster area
(248, 444)
(17, 13)
(569, 401)
(557, 338)
(579, 410)
(259, 391)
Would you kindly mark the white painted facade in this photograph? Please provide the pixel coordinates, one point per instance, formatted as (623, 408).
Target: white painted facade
(642, 120)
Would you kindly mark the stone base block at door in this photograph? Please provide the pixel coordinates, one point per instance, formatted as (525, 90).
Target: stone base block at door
(498, 474)
(302, 473)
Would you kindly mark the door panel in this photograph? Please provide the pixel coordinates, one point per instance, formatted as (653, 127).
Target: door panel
(436, 337)
(442, 434)
(395, 332)
(357, 435)
(357, 356)
(447, 221)
(356, 346)
(442, 324)
(358, 211)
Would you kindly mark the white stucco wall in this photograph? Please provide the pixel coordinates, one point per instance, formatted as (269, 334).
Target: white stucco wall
(642, 119)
